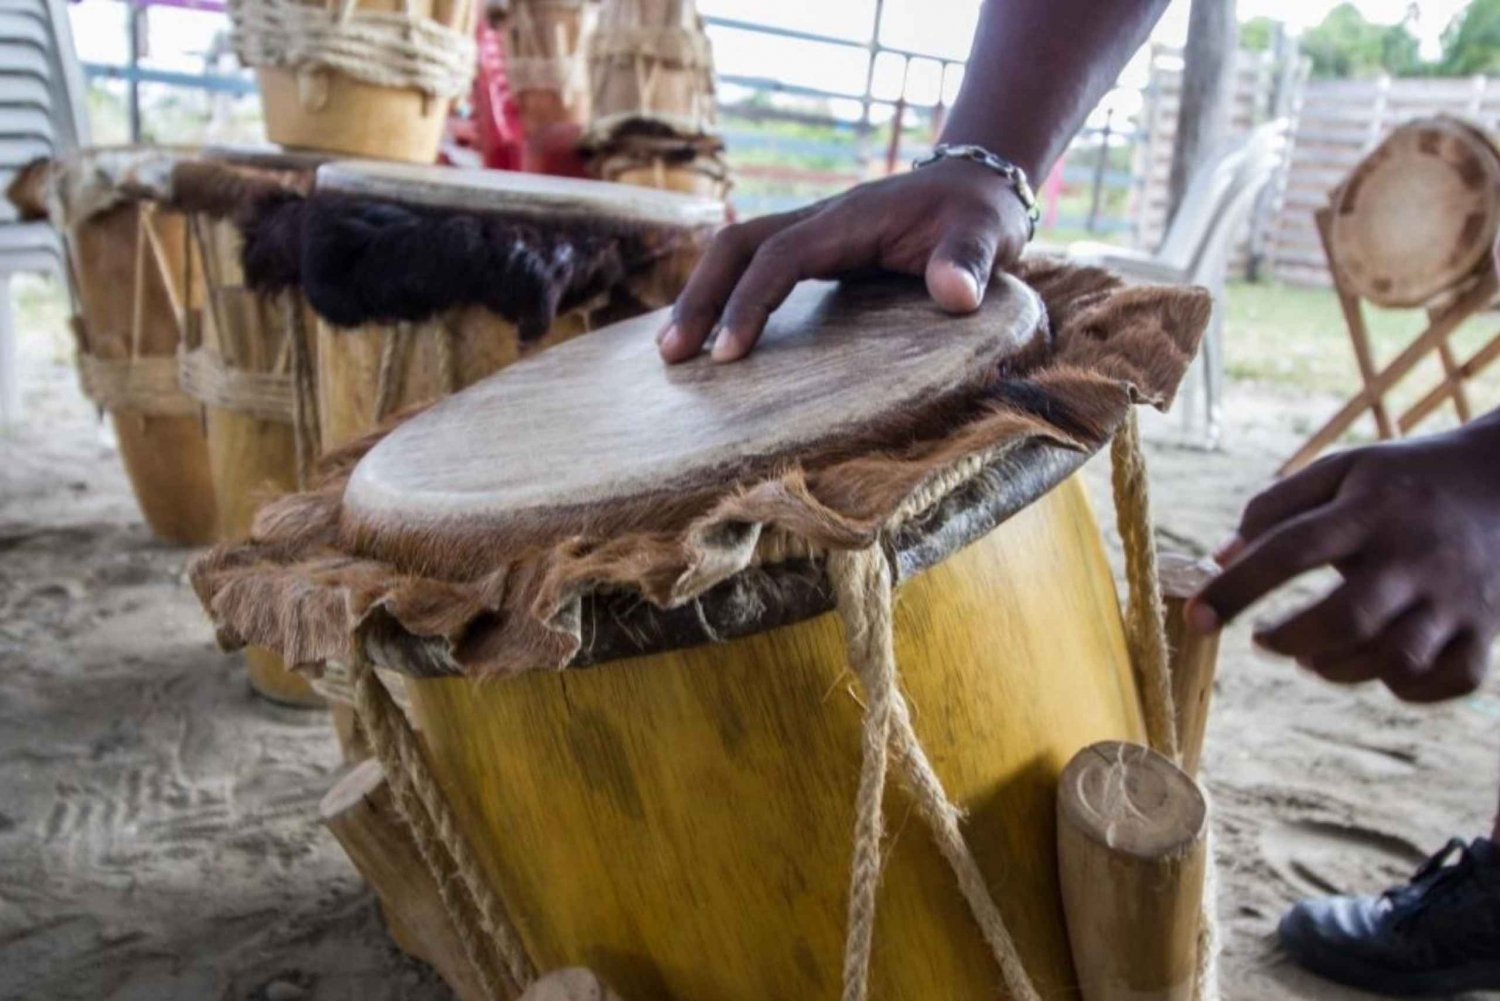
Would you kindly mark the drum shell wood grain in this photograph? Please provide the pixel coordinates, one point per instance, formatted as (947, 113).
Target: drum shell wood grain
(357, 118)
(1417, 216)
(165, 456)
(682, 823)
(348, 365)
(253, 459)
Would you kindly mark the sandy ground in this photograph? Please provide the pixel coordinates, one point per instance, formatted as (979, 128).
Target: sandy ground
(158, 837)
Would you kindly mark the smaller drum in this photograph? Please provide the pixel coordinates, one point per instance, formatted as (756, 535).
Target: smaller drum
(427, 279)
(132, 291)
(654, 121)
(1418, 216)
(372, 78)
(250, 364)
(675, 583)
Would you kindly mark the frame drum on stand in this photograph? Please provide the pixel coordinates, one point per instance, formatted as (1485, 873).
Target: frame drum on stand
(677, 584)
(126, 253)
(251, 366)
(369, 78)
(458, 273)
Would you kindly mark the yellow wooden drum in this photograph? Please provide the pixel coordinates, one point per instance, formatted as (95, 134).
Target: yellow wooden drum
(653, 117)
(677, 583)
(373, 78)
(250, 360)
(428, 279)
(126, 251)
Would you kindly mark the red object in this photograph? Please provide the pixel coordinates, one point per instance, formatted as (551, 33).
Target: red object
(497, 123)
(553, 149)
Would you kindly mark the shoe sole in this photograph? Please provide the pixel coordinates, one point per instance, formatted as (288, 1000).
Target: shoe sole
(1344, 969)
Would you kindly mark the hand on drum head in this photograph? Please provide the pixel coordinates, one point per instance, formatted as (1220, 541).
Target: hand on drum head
(1414, 530)
(955, 222)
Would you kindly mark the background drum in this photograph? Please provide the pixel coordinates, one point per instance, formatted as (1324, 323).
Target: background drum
(1418, 216)
(546, 64)
(250, 364)
(460, 272)
(126, 253)
(372, 78)
(653, 120)
(674, 812)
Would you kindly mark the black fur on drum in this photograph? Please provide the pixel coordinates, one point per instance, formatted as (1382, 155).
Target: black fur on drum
(362, 261)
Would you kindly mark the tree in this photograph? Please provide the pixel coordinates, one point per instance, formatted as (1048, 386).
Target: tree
(1346, 45)
(1258, 34)
(1471, 44)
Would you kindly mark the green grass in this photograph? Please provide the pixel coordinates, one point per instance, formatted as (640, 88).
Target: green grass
(1296, 339)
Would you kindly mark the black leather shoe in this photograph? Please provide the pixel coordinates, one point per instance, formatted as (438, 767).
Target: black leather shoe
(1438, 934)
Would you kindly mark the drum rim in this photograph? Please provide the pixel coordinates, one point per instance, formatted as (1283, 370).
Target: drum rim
(515, 193)
(616, 625)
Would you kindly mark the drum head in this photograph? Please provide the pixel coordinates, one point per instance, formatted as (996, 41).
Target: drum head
(599, 429)
(1418, 215)
(512, 193)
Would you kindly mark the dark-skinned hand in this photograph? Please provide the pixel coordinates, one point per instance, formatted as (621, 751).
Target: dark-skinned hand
(1414, 529)
(954, 222)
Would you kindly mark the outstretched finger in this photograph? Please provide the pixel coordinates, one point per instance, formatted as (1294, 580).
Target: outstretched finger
(1292, 548)
(702, 300)
(1312, 487)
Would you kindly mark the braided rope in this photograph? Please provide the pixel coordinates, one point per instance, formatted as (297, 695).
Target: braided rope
(147, 384)
(485, 931)
(1145, 612)
(386, 49)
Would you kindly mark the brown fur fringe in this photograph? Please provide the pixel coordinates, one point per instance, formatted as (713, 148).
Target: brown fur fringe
(300, 588)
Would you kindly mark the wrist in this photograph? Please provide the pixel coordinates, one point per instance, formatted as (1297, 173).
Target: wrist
(1001, 181)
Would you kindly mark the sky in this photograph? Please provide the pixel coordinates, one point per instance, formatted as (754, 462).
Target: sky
(939, 27)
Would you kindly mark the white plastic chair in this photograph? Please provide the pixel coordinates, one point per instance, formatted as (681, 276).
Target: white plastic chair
(41, 114)
(1195, 251)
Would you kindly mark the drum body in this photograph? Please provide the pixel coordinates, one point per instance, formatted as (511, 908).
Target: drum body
(716, 785)
(324, 109)
(251, 430)
(128, 271)
(546, 65)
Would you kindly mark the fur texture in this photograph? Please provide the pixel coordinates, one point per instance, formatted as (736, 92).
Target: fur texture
(364, 261)
(305, 588)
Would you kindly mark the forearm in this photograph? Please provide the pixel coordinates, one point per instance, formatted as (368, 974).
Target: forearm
(1036, 70)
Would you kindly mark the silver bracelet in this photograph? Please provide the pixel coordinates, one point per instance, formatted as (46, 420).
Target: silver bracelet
(978, 154)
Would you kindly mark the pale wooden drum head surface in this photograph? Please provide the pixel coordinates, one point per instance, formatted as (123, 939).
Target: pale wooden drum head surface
(1419, 214)
(601, 422)
(514, 193)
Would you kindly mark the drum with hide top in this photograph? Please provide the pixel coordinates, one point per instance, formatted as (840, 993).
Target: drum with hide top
(126, 251)
(373, 78)
(427, 279)
(676, 583)
(250, 361)
(653, 117)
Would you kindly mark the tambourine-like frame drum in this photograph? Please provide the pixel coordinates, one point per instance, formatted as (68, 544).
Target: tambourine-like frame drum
(1418, 216)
